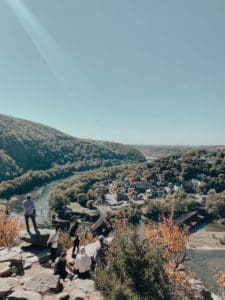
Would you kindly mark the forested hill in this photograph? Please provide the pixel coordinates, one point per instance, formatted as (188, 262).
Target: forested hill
(25, 145)
(158, 151)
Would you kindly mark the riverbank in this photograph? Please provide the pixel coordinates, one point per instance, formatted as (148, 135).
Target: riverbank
(204, 240)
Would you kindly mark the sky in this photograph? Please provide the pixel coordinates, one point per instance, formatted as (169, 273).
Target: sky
(137, 72)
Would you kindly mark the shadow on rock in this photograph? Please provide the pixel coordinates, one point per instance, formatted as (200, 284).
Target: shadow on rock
(35, 249)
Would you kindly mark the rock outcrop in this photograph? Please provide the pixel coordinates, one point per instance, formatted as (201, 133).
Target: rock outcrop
(24, 295)
(42, 283)
(6, 287)
(37, 240)
(10, 263)
(29, 277)
(199, 290)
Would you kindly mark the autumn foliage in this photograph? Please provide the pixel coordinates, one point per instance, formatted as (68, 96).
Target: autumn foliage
(85, 239)
(9, 229)
(172, 241)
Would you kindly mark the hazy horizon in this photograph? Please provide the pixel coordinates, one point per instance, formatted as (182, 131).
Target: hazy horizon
(117, 141)
(146, 73)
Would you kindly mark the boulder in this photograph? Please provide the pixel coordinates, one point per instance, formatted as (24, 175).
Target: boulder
(10, 262)
(24, 295)
(38, 240)
(86, 286)
(42, 283)
(8, 255)
(77, 294)
(62, 296)
(80, 289)
(5, 269)
(33, 255)
(199, 290)
(6, 288)
(49, 297)
(16, 261)
(84, 289)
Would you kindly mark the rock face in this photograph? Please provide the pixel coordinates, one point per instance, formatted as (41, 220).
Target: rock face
(87, 285)
(10, 263)
(24, 295)
(5, 288)
(5, 269)
(37, 281)
(80, 289)
(200, 292)
(63, 296)
(42, 283)
(38, 240)
(60, 296)
(14, 261)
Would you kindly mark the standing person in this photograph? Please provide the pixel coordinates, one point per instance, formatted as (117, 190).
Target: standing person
(83, 264)
(61, 265)
(53, 240)
(29, 212)
(75, 236)
(100, 254)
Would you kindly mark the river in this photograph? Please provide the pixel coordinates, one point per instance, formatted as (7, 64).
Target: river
(207, 263)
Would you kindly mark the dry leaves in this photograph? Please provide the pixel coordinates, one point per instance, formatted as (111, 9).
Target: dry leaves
(10, 227)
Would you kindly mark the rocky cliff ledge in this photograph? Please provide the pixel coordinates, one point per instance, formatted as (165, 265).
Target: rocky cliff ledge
(25, 274)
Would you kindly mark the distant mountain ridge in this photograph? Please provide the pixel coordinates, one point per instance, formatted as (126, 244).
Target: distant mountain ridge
(26, 145)
(158, 151)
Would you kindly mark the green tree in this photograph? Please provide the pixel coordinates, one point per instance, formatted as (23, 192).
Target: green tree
(134, 271)
(82, 199)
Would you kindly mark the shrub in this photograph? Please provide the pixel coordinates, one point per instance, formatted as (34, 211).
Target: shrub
(134, 271)
(10, 227)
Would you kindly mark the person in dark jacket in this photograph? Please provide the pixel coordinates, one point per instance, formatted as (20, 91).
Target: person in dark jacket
(100, 254)
(60, 266)
(74, 235)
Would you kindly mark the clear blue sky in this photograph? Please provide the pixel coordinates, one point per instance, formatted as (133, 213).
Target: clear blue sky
(146, 72)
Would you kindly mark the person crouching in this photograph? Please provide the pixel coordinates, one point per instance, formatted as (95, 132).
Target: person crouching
(83, 264)
(61, 265)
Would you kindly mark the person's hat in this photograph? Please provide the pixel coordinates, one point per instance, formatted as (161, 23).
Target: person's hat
(101, 237)
(79, 221)
(28, 196)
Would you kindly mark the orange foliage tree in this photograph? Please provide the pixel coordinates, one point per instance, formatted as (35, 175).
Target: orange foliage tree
(85, 239)
(172, 241)
(10, 227)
